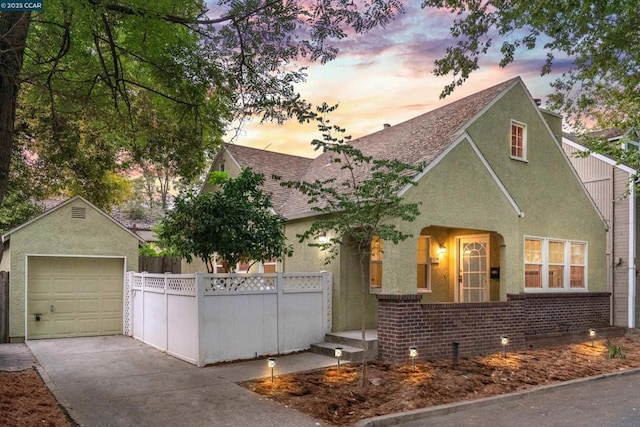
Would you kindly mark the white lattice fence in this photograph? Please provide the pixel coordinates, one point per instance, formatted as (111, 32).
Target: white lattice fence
(205, 318)
(239, 283)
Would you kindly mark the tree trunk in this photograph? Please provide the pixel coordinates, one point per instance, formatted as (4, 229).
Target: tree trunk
(14, 28)
(364, 290)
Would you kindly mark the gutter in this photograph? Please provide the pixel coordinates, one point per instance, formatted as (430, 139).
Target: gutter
(631, 312)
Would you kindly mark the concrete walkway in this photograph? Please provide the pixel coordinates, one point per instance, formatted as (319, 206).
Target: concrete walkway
(118, 381)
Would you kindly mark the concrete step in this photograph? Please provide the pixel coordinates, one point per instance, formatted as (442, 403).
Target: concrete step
(350, 354)
(351, 343)
(354, 338)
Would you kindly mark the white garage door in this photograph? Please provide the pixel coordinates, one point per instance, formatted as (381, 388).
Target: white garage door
(74, 297)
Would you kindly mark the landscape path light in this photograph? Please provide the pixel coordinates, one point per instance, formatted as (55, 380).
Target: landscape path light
(505, 341)
(413, 353)
(592, 335)
(337, 352)
(272, 364)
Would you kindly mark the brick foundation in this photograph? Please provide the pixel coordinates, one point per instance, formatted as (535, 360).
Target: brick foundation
(403, 321)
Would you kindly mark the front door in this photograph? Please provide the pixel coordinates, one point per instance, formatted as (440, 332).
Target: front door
(473, 268)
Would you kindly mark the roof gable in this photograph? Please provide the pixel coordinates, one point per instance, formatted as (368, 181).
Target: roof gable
(6, 236)
(268, 163)
(422, 139)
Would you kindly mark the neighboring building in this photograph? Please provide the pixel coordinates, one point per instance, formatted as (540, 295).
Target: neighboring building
(67, 271)
(508, 239)
(610, 184)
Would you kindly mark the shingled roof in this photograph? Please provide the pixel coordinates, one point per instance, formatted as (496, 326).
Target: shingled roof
(421, 139)
(270, 164)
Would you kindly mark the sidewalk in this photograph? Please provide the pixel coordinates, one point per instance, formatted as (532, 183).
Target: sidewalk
(16, 357)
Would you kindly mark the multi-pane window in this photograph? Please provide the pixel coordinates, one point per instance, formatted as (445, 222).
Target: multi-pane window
(578, 265)
(424, 263)
(533, 263)
(553, 264)
(375, 265)
(556, 264)
(518, 140)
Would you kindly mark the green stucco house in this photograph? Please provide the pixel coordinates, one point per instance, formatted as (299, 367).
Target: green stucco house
(67, 270)
(508, 240)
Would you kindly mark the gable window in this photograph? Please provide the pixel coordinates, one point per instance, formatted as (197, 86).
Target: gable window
(518, 140)
(554, 265)
(375, 265)
(222, 167)
(424, 264)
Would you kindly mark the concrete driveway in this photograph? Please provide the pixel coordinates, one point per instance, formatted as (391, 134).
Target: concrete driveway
(118, 381)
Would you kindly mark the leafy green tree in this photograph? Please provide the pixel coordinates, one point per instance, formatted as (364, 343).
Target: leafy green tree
(358, 206)
(600, 38)
(102, 65)
(17, 210)
(236, 224)
(28, 185)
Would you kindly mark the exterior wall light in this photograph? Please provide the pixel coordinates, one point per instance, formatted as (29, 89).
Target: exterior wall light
(272, 364)
(413, 353)
(337, 352)
(504, 340)
(592, 335)
(322, 237)
(442, 249)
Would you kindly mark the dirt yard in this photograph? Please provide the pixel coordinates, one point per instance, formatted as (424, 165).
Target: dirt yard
(26, 401)
(337, 398)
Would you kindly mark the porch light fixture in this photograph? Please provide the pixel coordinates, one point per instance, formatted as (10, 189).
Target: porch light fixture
(337, 352)
(504, 340)
(592, 335)
(272, 364)
(322, 237)
(442, 249)
(413, 353)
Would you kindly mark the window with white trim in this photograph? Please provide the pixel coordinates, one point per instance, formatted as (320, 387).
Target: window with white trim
(424, 264)
(269, 266)
(554, 264)
(578, 265)
(518, 140)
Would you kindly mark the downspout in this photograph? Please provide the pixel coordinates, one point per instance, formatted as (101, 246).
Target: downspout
(632, 253)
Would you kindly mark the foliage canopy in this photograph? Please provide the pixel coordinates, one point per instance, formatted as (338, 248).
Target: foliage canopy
(599, 39)
(103, 83)
(237, 224)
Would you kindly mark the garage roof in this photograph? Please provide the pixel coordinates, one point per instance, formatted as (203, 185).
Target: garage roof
(6, 236)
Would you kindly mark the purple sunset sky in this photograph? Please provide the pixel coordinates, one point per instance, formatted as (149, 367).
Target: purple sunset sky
(385, 76)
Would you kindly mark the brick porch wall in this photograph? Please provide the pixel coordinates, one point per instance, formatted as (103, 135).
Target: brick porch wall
(403, 321)
(572, 312)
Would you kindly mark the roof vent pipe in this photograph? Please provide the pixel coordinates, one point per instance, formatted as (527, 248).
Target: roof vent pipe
(386, 125)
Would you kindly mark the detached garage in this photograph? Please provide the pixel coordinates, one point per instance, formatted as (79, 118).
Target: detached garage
(67, 270)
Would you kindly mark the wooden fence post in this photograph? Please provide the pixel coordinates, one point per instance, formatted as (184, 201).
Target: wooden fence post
(4, 306)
